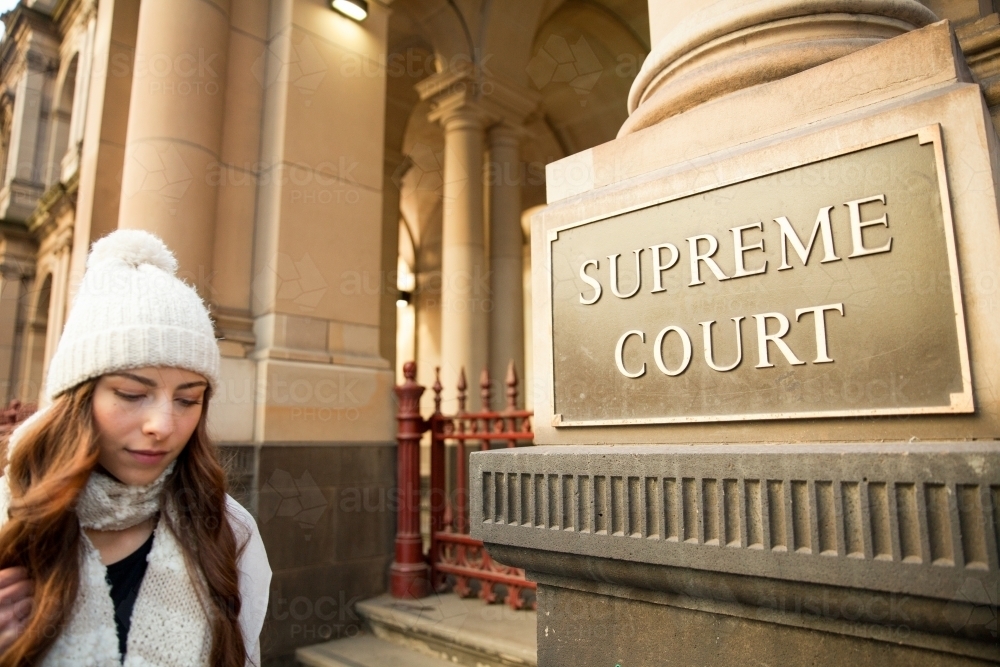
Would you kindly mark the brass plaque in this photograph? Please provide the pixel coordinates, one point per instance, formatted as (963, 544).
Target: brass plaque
(829, 289)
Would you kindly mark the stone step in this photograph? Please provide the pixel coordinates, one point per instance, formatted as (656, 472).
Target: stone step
(444, 629)
(365, 651)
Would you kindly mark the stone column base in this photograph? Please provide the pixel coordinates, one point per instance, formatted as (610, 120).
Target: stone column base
(863, 552)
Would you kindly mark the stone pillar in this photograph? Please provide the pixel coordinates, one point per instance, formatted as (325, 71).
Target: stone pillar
(506, 253)
(465, 102)
(70, 161)
(175, 129)
(21, 181)
(464, 279)
(17, 267)
(715, 48)
(103, 131)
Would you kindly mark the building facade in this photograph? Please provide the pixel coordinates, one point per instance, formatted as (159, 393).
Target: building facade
(346, 196)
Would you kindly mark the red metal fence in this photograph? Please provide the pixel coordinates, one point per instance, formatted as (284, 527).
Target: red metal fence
(454, 559)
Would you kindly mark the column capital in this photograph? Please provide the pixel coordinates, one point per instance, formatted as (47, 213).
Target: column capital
(729, 45)
(464, 89)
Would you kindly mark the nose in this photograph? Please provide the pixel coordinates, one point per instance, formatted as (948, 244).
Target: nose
(158, 422)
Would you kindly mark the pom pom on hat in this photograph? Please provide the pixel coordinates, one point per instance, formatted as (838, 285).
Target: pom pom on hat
(131, 311)
(133, 247)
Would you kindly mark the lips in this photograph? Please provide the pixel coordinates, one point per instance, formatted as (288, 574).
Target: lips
(147, 457)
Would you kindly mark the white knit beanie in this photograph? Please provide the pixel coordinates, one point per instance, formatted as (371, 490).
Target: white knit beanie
(132, 311)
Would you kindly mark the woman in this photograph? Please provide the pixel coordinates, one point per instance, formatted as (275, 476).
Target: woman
(119, 544)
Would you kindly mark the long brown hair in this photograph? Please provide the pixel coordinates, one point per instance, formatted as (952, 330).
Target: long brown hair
(48, 470)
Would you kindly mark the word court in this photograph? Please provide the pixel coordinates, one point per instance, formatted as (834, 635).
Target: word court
(741, 302)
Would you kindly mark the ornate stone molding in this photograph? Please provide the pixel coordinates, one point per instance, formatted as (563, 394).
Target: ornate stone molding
(913, 518)
(733, 44)
(980, 43)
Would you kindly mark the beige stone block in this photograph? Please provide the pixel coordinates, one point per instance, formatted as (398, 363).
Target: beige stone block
(244, 102)
(304, 333)
(233, 253)
(230, 348)
(249, 16)
(320, 402)
(231, 409)
(335, 111)
(353, 339)
(327, 263)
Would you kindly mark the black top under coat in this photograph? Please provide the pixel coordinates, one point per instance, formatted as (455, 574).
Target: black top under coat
(125, 577)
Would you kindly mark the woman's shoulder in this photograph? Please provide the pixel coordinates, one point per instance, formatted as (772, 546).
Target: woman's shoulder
(242, 521)
(245, 527)
(248, 539)
(255, 575)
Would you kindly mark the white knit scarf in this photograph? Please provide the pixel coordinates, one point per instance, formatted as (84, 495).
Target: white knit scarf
(170, 626)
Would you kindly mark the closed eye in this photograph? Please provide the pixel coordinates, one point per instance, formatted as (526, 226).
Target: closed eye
(129, 397)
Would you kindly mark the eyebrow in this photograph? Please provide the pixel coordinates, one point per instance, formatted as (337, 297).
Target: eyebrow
(152, 383)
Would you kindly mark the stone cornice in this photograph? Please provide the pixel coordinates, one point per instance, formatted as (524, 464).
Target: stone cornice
(980, 44)
(18, 251)
(497, 99)
(70, 12)
(18, 47)
(53, 201)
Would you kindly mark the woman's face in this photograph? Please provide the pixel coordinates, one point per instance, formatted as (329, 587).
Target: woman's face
(144, 419)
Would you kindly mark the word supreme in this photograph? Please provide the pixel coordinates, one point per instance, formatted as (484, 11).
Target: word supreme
(749, 259)
(703, 247)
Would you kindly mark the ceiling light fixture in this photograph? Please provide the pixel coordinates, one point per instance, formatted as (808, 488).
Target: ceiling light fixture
(352, 9)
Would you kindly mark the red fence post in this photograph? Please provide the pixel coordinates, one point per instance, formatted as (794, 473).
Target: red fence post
(409, 574)
(461, 472)
(438, 484)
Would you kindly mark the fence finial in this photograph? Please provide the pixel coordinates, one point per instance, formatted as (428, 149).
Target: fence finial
(511, 383)
(462, 386)
(484, 390)
(437, 390)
